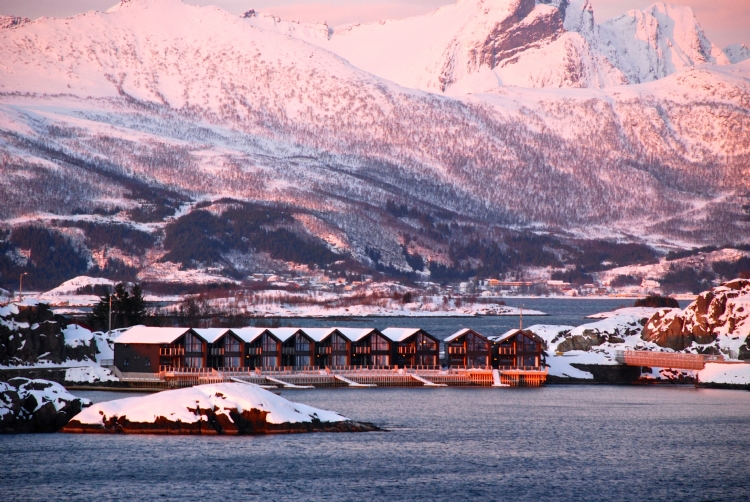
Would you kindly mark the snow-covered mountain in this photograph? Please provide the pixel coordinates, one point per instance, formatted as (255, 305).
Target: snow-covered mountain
(479, 45)
(137, 114)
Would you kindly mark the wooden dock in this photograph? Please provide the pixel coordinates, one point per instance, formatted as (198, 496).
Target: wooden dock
(346, 377)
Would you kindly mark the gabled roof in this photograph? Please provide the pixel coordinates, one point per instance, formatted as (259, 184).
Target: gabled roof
(401, 334)
(249, 334)
(211, 335)
(285, 334)
(356, 334)
(513, 332)
(320, 334)
(465, 331)
(146, 334)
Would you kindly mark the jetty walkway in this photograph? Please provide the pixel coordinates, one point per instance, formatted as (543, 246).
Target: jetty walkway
(343, 377)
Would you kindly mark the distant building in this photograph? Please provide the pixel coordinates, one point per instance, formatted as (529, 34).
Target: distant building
(468, 349)
(144, 349)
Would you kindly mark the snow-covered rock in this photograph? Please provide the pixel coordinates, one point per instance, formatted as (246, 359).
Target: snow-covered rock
(720, 316)
(89, 374)
(36, 406)
(227, 408)
(737, 53)
(655, 42)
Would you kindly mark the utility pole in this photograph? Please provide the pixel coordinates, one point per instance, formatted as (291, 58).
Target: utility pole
(109, 331)
(20, 286)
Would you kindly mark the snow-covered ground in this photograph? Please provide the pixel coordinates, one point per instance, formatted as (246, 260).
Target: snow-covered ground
(89, 374)
(181, 404)
(736, 374)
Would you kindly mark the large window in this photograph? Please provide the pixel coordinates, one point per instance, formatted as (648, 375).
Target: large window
(193, 362)
(529, 360)
(423, 360)
(379, 343)
(380, 360)
(475, 344)
(525, 344)
(231, 344)
(477, 361)
(338, 360)
(269, 344)
(338, 343)
(300, 361)
(301, 344)
(231, 362)
(425, 343)
(193, 343)
(270, 361)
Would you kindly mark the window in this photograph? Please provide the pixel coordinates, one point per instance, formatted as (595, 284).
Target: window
(478, 361)
(379, 343)
(300, 361)
(270, 361)
(269, 345)
(193, 362)
(475, 344)
(338, 343)
(301, 344)
(338, 360)
(529, 360)
(425, 343)
(380, 360)
(193, 343)
(231, 344)
(231, 362)
(423, 360)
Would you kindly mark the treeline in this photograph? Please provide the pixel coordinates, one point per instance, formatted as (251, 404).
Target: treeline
(202, 237)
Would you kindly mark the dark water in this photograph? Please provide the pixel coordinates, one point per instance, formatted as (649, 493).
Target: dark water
(561, 311)
(553, 443)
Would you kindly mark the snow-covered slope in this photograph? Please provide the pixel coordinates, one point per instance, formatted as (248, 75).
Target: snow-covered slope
(655, 42)
(112, 110)
(474, 46)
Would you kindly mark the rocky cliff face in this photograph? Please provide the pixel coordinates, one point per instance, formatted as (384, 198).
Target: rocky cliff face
(36, 406)
(717, 320)
(30, 333)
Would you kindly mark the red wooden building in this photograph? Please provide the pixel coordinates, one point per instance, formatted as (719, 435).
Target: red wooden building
(517, 349)
(412, 347)
(149, 350)
(468, 349)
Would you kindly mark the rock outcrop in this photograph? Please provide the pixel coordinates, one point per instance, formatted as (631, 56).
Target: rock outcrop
(718, 315)
(227, 408)
(30, 332)
(36, 406)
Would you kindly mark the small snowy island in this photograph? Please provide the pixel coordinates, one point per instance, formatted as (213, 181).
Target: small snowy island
(226, 408)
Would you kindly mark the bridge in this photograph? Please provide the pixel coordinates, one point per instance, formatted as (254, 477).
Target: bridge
(677, 360)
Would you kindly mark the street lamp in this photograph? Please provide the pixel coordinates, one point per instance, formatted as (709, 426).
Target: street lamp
(20, 286)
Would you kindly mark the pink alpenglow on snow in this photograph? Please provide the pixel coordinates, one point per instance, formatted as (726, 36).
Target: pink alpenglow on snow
(226, 408)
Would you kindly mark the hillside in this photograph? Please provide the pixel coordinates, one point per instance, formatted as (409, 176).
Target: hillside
(142, 135)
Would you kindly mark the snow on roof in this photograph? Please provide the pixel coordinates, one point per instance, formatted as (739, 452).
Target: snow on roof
(504, 336)
(146, 334)
(512, 332)
(285, 334)
(212, 334)
(459, 334)
(399, 334)
(319, 334)
(249, 334)
(356, 334)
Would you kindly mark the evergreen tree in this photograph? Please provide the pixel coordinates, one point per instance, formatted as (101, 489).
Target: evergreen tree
(128, 308)
(99, 316)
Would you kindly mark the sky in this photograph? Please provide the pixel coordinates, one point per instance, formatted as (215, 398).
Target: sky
(724, 21)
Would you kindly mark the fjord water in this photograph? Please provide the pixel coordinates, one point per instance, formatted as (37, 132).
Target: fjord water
(557, 442)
